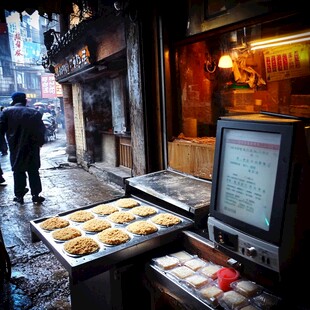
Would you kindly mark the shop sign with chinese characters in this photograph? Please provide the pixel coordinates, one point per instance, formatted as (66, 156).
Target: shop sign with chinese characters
(49, 87)
(287, 62)
(73, 63)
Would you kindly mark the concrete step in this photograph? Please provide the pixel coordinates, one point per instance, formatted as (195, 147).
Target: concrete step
(106, 173)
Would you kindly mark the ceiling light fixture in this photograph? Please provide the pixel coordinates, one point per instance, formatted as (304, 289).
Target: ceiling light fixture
(296, 38)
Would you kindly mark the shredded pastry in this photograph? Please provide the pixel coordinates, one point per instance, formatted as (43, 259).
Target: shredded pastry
(81, 246)
(121, 217)
(143, 210)
(96, 225)
(104, 209)
(166, 219)
(113, 236)
(127, 203)
(66, 233)
(142, 228)
(54, 223)
(81, 216)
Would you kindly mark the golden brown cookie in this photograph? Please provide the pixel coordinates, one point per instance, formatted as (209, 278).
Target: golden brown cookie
(127, 203)
(66, 233)
(81, 246)
(104, 209)
(166, 219)
(121, 217)
(113, 236)
(81, 216)
(142, 228)
(54, 223)
(96, 225)
(143, 210)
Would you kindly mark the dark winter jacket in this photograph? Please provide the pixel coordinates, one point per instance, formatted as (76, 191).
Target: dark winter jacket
(24, 130)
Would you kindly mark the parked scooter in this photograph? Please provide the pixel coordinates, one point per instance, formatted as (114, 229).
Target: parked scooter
(50, 126)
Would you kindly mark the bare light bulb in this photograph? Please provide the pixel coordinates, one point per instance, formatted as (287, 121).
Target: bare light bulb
(225, 62)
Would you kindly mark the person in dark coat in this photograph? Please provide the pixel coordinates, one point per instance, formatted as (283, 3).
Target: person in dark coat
(24, 131)
(3, 144)
(2, 179)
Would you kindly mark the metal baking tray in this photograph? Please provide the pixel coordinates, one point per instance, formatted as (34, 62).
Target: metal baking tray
(82, 267)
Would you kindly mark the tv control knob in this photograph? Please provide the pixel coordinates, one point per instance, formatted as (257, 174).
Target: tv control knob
(251, 251)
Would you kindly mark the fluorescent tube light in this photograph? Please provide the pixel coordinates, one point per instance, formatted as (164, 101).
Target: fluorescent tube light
(296, 38)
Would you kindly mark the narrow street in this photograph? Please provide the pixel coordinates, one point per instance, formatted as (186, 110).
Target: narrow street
(38, 280)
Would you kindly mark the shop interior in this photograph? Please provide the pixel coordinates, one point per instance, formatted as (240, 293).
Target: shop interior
(268, 70)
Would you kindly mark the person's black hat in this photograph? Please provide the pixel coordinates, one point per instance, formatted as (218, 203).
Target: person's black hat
(18, 96)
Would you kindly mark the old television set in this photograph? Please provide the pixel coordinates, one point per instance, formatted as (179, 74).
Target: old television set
(259, 211)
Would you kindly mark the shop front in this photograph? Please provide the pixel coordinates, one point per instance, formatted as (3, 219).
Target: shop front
(263, 96)
(96, 78)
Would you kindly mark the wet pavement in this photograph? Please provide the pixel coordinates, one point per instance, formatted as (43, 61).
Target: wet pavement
(38, 280)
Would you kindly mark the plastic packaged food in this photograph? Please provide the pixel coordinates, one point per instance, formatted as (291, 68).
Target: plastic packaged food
(195, 263)
(210, 293)
(247, 288)
(166, 262)
(182, 272)
(233, 300)
(210, 270)
(266, 301)
(196, 280)
(182, 256)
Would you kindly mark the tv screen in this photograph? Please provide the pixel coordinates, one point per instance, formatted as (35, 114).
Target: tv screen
(247, 177)
(254, 173)
(260, 193)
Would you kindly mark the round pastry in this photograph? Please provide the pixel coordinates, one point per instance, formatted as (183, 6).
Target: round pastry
(166, 219)
(121, 217)
(96, 225)
(142, 228)
(81, 246)
(113, 236)
(143, 211)
(127, 203)
(54, 223)
(81, 216)
(104, 209)
(66, 233)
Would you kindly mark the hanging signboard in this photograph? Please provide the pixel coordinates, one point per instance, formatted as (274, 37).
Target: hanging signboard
(73, 63)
